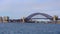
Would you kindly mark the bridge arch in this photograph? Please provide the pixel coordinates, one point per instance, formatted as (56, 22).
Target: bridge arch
(34, 14)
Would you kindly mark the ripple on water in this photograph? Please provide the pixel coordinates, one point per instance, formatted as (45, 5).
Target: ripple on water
(29, 28)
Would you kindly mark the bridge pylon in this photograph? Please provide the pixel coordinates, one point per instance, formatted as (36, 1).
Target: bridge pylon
(55, 18)
(23, 19)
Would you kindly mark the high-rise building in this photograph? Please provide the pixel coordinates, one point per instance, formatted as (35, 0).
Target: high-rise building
(6, 19)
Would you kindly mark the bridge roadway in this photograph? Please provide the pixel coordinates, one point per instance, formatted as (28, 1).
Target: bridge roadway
(41, 18)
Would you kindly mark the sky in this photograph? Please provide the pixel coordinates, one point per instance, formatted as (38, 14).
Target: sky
(23, 8)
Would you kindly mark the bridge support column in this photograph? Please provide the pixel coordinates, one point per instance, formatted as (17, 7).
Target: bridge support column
(23, 19)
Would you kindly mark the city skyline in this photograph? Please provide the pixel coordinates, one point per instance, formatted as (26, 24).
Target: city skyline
(23, 8)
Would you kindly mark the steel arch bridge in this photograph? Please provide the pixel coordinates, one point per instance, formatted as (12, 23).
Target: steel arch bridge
(43, 14)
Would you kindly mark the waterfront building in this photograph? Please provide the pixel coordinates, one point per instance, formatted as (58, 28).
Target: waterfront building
(6, 19)
(1, 20)
(58, 21)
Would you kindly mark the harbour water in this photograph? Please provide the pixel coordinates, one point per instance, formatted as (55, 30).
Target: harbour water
(29, 28)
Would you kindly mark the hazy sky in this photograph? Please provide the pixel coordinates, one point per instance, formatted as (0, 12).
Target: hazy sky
(20, 8)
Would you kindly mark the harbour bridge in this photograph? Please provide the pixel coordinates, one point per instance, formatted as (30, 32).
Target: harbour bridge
(41, 16)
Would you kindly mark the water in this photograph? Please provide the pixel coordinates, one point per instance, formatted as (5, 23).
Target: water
(29, 28)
